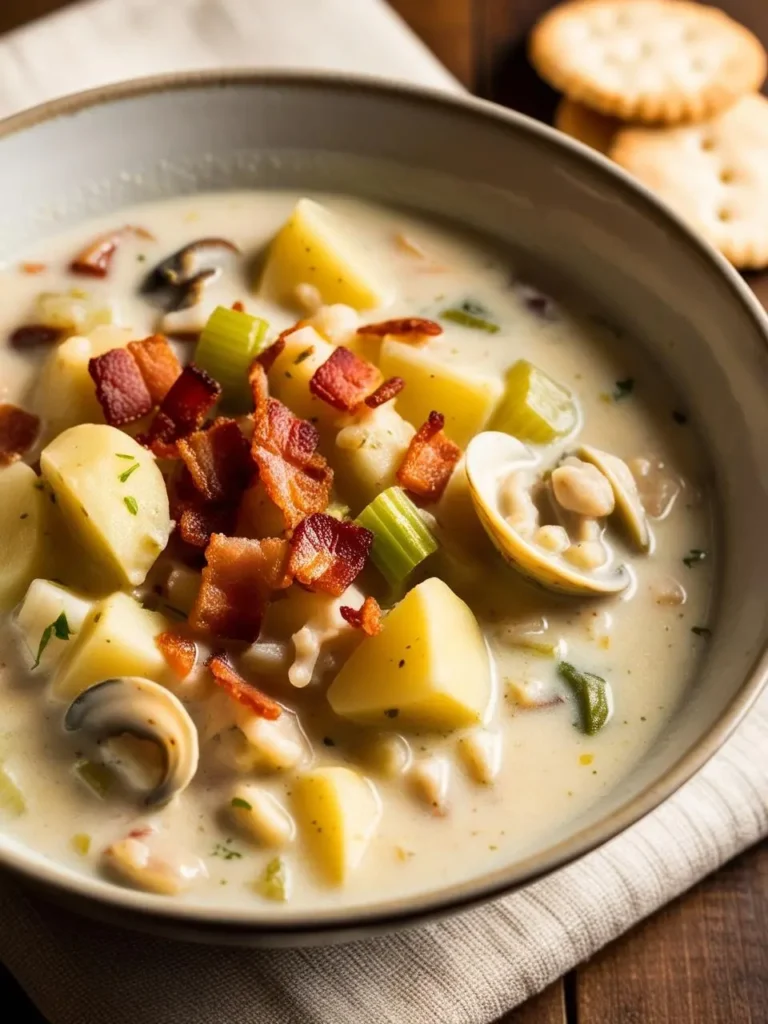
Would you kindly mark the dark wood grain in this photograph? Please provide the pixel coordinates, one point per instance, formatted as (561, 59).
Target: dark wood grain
(546, 1008)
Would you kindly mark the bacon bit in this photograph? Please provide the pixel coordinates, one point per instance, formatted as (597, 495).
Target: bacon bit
(33, 268)
(238, 306)
(367, 617)
(33, 335)
(183, 409)
(385, 392)
(96, 259)
(344, 379)
(327, 554)
(179, 651)
(413, 330)
(18, 430)
(218, 460)
(198, 523)
(140, 833)
(158, 365)
(270, 355)
(427, 465)
(230, 680)
(237, 583)
(120, 387)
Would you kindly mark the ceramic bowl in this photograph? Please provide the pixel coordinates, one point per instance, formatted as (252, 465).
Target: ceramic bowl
(574, 221)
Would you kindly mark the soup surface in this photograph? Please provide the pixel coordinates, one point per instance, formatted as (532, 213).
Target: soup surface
(394, 613)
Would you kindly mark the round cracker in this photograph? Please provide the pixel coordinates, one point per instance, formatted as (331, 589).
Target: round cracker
(714, 174)
(586, 125)
(654, 61)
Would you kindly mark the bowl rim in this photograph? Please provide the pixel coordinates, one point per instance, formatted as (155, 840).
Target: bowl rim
(413, 908)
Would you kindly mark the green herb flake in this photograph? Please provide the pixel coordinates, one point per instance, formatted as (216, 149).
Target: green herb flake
(593, 695)
(132, 505)
(472, 315)
(118, 455)
(124, 476)
(702, 631)
(58, 628)
(624, 389)
(303, 355)
(238, 801)
(274, 882)
(694, 555)
(225, 852)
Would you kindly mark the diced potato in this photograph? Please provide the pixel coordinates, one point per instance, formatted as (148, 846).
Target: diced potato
(318, 248)
(428, 668)
(124, 524)
(258, 516)
(43, 603)
(369, 453)
(23, 526)
(430, 781)
(292, 371)
(66, 394)
(466, 400)
(338, 812)
(117, 639)
(75, 311)
(260, 815)
(480, 752)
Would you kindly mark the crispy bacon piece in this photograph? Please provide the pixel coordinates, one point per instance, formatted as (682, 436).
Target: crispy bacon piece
(95, 259)
(33, 268)
(34, 335)
(367, 617)
(327, 554)
(295, 476)
(238, 306)
(344, 379)
(179, 652)
(237, 583)
(158, 365)
(385, 392)
(230, 680)
(120, 387)
(18, 430)
(199, 522)
(193, 394)
(427, 465)
(413, 330)
(218, 460)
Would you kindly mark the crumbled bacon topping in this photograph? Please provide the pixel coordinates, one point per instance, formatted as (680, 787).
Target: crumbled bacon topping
(197, 522)
(34, 335)
(96, 259)
(238, 306)
(179, 652)
(218, 460)
(33, 268)
(158, 365)
(18, 430)
(413, 330)
(230, 680)
(344, 379)
(237, 583)
(184, 408)
(295, 476)
(367, 617)
(385, 392)
(120, 387)
(327, 554)
(429, 461)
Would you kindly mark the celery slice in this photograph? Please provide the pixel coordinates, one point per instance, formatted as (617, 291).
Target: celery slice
(593, 695)
(534, 408)
(472, 315)
(97, 777)
(229, 343)
(274, 882)
(401, 540)
(12, 800)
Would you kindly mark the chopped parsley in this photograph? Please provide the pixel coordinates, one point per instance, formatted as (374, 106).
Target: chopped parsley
(303, 355)
(624, 389)
(58, 628)
(471, 314)
(131, 469)
(694, 555)
(225, 852)
(118, 455)
(132, 505)
(237, 801)
(702, 631)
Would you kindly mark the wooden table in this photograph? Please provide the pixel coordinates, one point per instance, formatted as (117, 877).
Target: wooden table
(704, 958)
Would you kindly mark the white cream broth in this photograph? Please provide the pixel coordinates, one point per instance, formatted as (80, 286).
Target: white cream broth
(551, 772)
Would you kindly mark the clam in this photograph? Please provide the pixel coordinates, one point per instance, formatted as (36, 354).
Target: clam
(178, 281)
(140, 708)
(628, 507)
(492, 459)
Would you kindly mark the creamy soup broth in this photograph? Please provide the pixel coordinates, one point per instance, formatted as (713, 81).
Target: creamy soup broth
(441, 805)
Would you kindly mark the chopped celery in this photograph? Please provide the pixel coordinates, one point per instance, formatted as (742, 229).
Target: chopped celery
(470, 314)
(401, 540)
(11, 797)
(534, 408)
(82, 843)
(593, 695)
(97, 777)
(229, 343)
(274, 882)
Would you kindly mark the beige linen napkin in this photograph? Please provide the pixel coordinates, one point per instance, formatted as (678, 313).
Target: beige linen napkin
(474, 967)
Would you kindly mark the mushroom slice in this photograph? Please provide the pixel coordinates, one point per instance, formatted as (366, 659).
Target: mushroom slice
(628, 508)
(492, 457)
(178, 281)
(138, 707)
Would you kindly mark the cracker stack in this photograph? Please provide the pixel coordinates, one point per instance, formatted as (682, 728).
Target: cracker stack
(668, 89)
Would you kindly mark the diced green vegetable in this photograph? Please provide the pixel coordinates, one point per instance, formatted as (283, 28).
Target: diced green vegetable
(82, 843)
(472, 315)
(12, 800)
(274, 882)
(239, 802)
(534, 408)
(401, 538)
(593, 695)
(97, 777)
(229, 343)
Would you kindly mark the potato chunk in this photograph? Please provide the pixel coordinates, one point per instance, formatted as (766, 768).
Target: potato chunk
(427, 669)
(466, 400)
(23, 526)
(368, 454)
(338, 812)
(317, 247)
(43, 603)
(292, 371)
(117, 639)
(123, 521)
